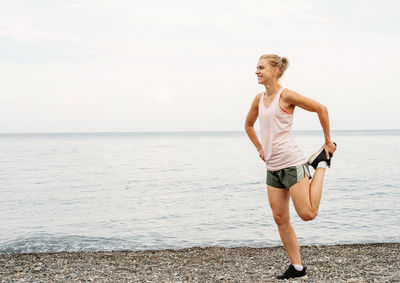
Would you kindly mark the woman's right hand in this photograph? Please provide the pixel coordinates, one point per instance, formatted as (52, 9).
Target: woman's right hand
(261, 154)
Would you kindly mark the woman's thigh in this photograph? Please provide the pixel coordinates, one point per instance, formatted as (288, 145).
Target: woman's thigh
(279, 202)
(300, 194)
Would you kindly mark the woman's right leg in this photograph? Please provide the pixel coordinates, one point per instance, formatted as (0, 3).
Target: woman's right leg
(279, 202)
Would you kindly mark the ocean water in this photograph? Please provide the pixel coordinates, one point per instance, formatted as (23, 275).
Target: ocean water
(136, 191)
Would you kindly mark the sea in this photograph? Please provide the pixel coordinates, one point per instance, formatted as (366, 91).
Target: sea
(172, 190)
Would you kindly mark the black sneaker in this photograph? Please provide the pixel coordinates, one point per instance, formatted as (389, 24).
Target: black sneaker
(319, 156)
(292, 272)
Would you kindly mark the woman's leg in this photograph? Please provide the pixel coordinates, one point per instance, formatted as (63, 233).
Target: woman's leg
(306, 197)
(279, 202)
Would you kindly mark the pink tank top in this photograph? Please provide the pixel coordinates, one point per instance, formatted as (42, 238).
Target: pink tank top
(280, 149)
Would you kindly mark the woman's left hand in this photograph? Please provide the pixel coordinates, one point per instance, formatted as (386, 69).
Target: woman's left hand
(330, 148)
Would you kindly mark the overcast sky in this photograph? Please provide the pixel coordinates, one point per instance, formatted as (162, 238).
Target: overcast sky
(96, 66)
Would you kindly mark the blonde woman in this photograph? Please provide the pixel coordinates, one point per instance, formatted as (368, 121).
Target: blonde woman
(287, 168)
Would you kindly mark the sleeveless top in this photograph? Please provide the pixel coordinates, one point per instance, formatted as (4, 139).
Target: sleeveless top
(280, 149)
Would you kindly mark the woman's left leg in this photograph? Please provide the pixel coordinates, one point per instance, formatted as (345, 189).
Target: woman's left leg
(279, 202)
(306, 196)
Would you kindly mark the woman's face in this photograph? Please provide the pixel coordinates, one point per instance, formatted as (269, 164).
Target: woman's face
(265, 73)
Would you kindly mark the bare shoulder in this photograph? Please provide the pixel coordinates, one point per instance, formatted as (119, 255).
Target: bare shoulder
(256, 100)
(258, 96)
(291, 96)
(288, 94)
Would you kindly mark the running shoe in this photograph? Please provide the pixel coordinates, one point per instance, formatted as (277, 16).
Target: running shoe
(292, 272)
(319, 156)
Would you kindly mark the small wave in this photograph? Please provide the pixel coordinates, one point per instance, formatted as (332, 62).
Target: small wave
(70, 243)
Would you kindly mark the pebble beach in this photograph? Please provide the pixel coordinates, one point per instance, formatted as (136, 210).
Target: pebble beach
(375, 262)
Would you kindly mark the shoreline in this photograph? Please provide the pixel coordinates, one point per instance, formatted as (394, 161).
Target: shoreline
(370, 262)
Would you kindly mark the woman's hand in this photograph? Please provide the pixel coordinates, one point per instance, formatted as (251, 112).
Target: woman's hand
(261, 154)
(330, 148)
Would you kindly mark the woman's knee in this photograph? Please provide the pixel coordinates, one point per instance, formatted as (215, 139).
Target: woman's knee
(281, 219)
(308, 215)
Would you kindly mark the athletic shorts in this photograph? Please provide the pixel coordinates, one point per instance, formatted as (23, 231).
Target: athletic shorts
(287, 177)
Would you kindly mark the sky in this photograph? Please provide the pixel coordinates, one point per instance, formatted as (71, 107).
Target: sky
(185, 65)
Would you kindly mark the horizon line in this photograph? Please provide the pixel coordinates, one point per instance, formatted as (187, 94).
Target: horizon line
(184, 131)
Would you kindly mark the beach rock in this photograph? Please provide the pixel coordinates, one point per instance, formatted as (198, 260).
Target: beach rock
(38, 268)
(337, 263)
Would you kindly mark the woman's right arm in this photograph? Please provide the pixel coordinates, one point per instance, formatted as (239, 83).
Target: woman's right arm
(249, 125)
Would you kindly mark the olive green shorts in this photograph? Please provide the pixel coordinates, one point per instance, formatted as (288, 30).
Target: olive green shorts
(287, 177)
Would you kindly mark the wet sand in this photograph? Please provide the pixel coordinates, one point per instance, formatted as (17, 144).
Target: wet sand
(378, 262)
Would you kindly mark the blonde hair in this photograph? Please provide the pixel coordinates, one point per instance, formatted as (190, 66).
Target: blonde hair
(275, 61)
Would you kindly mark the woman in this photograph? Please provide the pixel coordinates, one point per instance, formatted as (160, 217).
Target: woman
(287, 168)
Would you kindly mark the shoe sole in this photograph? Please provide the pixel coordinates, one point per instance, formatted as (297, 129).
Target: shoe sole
(315, 155)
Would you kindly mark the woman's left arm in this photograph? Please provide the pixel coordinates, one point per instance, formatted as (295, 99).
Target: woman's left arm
(294, 99)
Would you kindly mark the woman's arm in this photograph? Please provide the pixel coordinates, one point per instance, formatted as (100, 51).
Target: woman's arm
(295, 99)
(249, 125)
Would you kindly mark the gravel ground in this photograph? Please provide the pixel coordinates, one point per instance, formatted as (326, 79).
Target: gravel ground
(336, 263)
